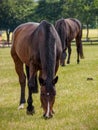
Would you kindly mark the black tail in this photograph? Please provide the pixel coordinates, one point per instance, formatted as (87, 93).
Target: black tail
(79, 37)
(81, 51)
(79, 44)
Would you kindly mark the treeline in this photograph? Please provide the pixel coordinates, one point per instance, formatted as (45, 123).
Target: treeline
(15, 12)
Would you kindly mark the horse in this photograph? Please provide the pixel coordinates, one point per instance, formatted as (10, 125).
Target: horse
(68, 29)
(38, 47)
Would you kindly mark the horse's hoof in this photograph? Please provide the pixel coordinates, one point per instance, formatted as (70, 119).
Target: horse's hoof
(30, 112)
(68, 62)
(21, 106)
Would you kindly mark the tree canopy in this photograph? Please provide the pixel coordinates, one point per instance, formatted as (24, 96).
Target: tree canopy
(15, 12)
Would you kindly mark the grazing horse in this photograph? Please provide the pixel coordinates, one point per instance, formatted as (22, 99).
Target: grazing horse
(38, 46)
(68, 29)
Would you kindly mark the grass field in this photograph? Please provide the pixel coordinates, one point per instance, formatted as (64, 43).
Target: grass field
(76, 105)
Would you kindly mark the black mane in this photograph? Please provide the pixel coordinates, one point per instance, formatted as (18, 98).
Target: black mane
(49, 52)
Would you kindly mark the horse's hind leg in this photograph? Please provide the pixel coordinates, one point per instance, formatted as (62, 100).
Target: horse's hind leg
(22, 79)
(69, 54)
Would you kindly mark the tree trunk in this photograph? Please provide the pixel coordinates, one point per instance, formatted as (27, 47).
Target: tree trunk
(8, 36)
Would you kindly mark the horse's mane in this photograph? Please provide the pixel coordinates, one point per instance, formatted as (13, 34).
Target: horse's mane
(49, 51)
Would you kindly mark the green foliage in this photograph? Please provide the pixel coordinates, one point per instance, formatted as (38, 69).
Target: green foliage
(15, 12)
(76, 104)
(50, 11)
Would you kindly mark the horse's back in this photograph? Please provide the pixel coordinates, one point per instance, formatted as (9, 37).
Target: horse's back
(70, 25)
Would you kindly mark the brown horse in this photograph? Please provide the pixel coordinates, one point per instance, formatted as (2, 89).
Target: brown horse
(68, 29)
(37, 46)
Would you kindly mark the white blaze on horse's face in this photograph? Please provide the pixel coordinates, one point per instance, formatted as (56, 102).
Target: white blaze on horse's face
(47, 101)
(48, 110)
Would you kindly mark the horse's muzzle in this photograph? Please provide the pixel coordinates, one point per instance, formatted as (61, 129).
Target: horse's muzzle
(47, 116)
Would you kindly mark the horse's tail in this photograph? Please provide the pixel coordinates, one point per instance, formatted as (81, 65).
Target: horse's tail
(79, 41)
(81, 51)
(81, 46)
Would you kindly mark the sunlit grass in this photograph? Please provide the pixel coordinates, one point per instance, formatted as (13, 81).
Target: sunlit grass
(76, 105)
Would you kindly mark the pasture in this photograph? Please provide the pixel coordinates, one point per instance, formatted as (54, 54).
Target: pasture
(76, 105)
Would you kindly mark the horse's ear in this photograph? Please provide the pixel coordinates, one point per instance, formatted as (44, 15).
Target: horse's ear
(55, 80)
(42, 81)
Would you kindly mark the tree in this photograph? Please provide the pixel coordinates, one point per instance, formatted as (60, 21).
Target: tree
(87, 14)
(5, 15)
(48, 10)
(13, 13)
(84, 10)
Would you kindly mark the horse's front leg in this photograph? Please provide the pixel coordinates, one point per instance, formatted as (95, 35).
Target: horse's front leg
(32, 84)
(30, 107)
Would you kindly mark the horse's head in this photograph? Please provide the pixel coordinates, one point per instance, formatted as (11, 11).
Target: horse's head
(47, 96)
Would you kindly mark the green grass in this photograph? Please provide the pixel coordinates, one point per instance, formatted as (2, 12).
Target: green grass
(76, 105)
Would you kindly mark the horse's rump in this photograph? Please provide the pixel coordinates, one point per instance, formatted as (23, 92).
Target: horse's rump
(21, 41)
